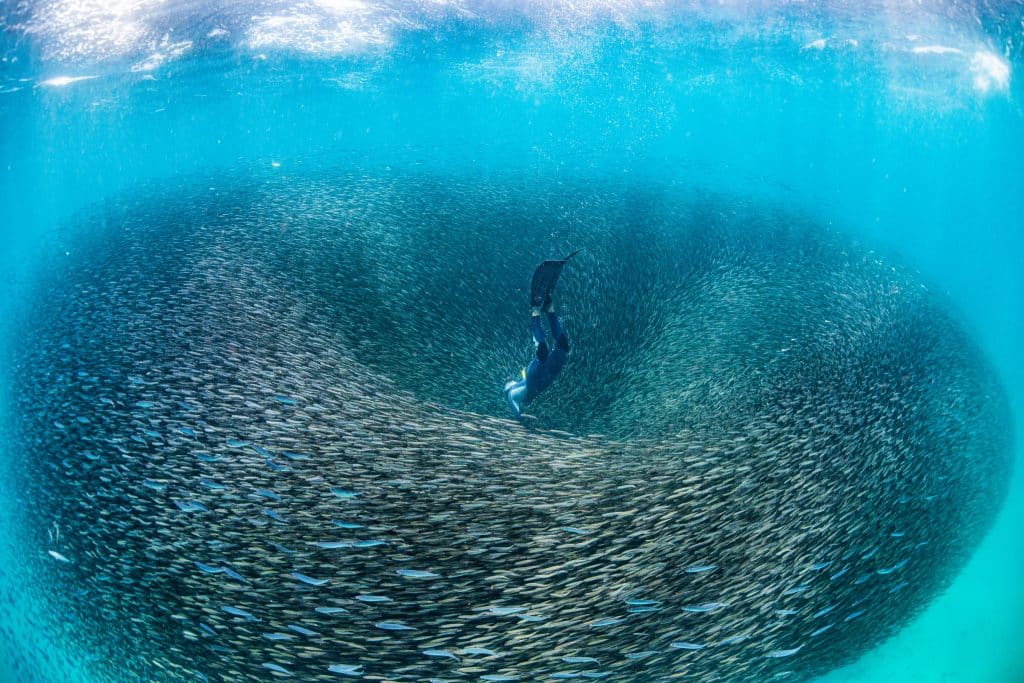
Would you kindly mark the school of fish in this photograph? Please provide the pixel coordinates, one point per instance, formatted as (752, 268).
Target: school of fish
(262, 435)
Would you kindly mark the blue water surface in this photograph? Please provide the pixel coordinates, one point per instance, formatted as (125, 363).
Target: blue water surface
(902, 126)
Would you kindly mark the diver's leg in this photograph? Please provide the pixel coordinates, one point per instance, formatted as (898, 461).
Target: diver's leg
(560, 353)
(537, 330)
(561, 338)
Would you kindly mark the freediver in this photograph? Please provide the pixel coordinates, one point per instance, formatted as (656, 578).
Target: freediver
(547, 362)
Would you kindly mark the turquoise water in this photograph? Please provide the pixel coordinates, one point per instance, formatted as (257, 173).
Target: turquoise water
(900, 127)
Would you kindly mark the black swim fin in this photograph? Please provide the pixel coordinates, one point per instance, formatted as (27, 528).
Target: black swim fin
(545, 278)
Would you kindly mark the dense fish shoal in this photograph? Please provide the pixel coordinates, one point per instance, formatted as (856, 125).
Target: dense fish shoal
(264, 436)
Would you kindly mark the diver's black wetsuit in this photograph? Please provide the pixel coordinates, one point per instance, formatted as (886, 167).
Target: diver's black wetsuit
(543, 367)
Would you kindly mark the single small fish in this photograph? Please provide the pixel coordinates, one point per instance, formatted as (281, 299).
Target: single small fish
(344, 493)
(239, 612)
(206, 457)
(505, 611)
(778, 654)
(565, 675)
(347, 525)
(332, 545)
(276, 635)
(635, 602)
(898, 534)
(57, 556)
(580, 660)
(145, 405)
(276, 467)
(823, 612)
(294, 456)
(373, 598)
(786, 612)
(701, 568)
(732, 640)
(796, 589)
(369, 543)
(898, 587)
(155, 485)
(606, 621)
(267, 493)
(821, 565)
(303, 631)
(274, 516)
(188, 431)
(299, 576)
(683, 645)
(277, 669)
(575, 530)
(212, 485)
(190, 506)
(818, 632)
(393, 626)
(330, 610)
(209, 568)
(346, 669)
(237, 443)
(839, 574)
(287, 400)
(869, 554)
(440, 653)
(861, 579)
(705, 607)
(417, 574)
(479, 651)
(642, 610)
(853, 615)
(641, 655)
(498, 678)
(231, 573)
(207, 628)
